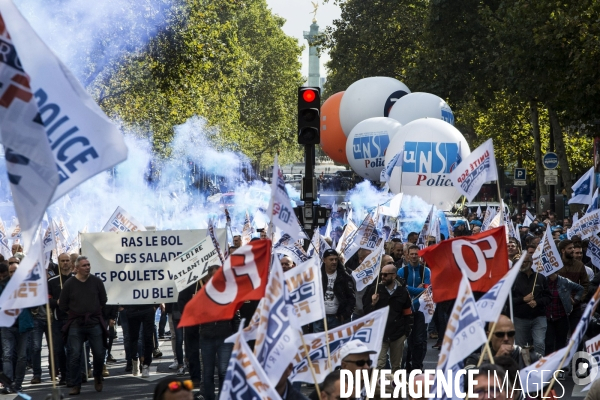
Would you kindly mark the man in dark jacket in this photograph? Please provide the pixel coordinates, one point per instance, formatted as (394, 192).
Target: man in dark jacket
(391, 292)
(529, 307)
(338, 290)
(59, 317)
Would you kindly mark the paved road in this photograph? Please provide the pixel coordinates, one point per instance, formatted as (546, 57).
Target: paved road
(124, 386)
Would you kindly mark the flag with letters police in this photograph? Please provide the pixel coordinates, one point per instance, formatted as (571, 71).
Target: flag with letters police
(593, 250)
(83, 140)
(277, 334)
(281, 211)
(122, 221)
(245, 378)
(368, 271)
(306, 291)
(478, 168)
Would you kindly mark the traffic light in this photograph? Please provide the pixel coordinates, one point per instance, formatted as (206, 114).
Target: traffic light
(309, 121)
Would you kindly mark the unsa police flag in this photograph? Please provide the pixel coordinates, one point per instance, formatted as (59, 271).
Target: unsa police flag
(475, 170)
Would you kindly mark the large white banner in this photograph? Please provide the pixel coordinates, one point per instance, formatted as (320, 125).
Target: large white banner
(134, 265)
(368, 329)
(192, 265)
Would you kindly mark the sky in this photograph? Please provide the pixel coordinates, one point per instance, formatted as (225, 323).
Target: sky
(298, 15)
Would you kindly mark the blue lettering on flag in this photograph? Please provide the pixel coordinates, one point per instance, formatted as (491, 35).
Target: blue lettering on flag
(466, 184)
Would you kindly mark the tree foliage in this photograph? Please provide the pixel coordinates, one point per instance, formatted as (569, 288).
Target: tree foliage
(225, 60)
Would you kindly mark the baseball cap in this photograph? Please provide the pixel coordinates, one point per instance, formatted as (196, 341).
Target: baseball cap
(354, 347)
(330, 252)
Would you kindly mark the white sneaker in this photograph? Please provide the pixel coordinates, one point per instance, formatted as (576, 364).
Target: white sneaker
(136, 367)
(146, 371)
(174, 365)
(181, 371)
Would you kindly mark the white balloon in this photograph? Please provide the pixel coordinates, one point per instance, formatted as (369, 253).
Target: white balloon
(418, 105)
(367, 144)
(368, 98)
(430, 148)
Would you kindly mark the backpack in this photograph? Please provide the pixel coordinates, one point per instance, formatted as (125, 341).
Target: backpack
(421, 272)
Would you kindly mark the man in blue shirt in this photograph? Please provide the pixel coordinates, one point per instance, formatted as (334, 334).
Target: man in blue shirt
(417, 278)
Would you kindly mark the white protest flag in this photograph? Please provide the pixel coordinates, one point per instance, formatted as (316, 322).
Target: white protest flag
(489, 306)
(245, 378)
(56, 237)
(593, 250)
(306, 291)
(529, 215)
(533, 377)
(280, 210)
(84, 141)
(592, 347)
(490, 213)
(527, 221)
(48, 241)
(422, 239)
(365, 238)
(192, 265)
(27, 287)
(328, 227)
(393, 210)
(594, 205)
(463, 336)
(368, 329)
(478, 213)
(30, 164)
(546, 258)
(575, 217)
(434, 230)
(318, 244)
(247, 229)
(290, 247)
(278, 333)
(496, 221)
(582, 189)
(5, 249)
(396, 161)
(215, 242)
(585, 226)
(368, 271)
(475, 170)
(426, 304)
(348, 233)
(122, 221)
(450, 230)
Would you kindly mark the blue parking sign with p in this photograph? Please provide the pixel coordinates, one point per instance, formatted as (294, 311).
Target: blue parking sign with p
(520, 174)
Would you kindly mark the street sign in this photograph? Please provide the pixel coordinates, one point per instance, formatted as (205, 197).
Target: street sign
(520, 183)
(550, 172)
(550, 160)
(520, 174)
(550, 180)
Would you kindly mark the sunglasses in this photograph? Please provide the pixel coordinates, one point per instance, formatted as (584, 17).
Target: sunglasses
(176, 386)
(501, 335)
(387, 273)
(361, 363)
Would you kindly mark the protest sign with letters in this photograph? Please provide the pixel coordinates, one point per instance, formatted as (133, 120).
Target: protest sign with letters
(546, 258)
(192, 265)
(134, 265)
(368, 329)
(306, 291)
(585, 226)
(122, 221)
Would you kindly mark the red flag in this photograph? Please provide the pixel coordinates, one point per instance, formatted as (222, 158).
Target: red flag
(243, 277)
(482, 257)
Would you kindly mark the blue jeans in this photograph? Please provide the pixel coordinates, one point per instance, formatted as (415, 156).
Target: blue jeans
(77, 336)
(531, 332)
(192, 351)
(14, 344)
(39, 328)
(332, 322)
(417, 342)
(60, 350)
(213, 351)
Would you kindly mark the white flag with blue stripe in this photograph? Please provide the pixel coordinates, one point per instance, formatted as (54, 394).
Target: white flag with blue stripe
(478, 168)
(582, 189)
(396, 161)
(595, 204)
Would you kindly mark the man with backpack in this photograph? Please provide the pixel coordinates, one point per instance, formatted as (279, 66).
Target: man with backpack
(417, 278)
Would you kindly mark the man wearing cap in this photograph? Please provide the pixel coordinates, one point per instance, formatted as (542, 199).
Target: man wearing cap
(338, 290)
(356, 356)
(391, 292)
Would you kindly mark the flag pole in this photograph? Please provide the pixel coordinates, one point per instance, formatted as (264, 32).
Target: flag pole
(327, 342)
(534, 281)
(571, 343)
(310, 365)
(487, 346)
(51, 348)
